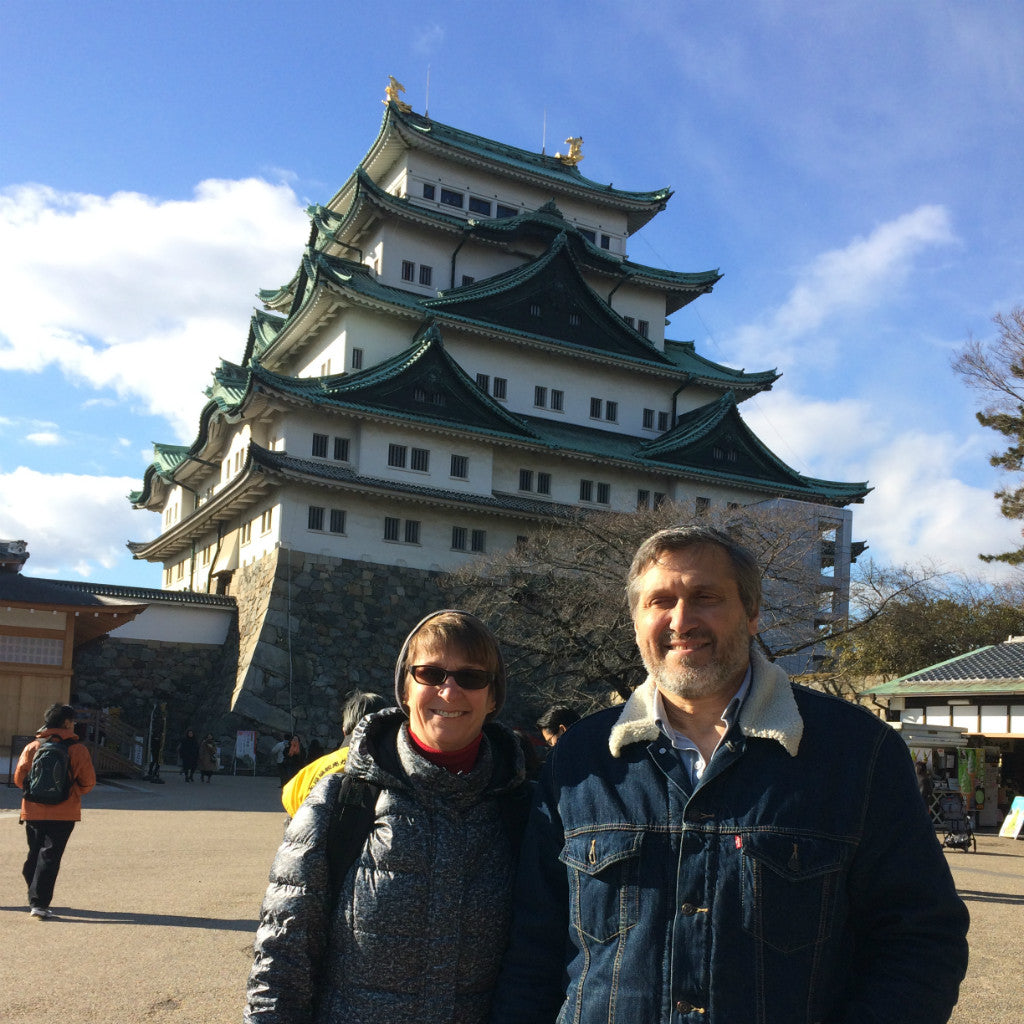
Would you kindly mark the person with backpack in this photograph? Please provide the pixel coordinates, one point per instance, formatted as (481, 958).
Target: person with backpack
(390, 896)
(55, 771)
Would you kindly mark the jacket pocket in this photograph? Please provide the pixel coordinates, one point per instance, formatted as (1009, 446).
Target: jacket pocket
(789, 886)
(604, 881)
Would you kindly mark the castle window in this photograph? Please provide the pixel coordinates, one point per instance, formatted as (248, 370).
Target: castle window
(543, 483)
(419, 394)
(396, 455)
(337, 520)
(586, 490)
(505, 211)
(459, 536)
(408, 270)
(452, 198)
(315, 518)
(500, 387)
(648, 419)
(643, 499)
(595, 408)
(611, 411)
(540, 396)
(590, 236)
(246, 532)
(357, 356)
(478, 540)
(479, 206)
(574, 320)
(535, 309)
(266, 520)
(659, 499)
(426, 275)
(606, 242)
(467, 279)
(392, 527)
(557, 400)
(526, 479)
(643, 327)
(460, 467)
(604, 494)
(663, 421)
(420, 460)
(412, 531)
(629, 321)
(483, 382)
(341, 446)
(320, 446)
(429, 192)
(701, 505)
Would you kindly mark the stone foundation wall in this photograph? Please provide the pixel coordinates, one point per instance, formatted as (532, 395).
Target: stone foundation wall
(194, 680)
(314, 628)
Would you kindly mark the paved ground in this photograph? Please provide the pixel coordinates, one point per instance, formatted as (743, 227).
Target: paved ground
(160, 890)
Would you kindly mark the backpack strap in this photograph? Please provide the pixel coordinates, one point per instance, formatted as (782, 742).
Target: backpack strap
(352, 817)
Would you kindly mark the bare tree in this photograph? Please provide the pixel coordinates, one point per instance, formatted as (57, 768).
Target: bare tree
(558, 604)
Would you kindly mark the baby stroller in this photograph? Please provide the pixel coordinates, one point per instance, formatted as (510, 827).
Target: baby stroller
(958, 834)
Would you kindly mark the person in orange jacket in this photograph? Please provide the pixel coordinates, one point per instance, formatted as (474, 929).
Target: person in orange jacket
(48, 826)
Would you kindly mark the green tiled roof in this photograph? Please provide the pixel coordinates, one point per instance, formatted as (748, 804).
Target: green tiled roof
(417, 131)
(547, 222)
(332, 472)
(684, 355)
(567, 309)
(423, 384)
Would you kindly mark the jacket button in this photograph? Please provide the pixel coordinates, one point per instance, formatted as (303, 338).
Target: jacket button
(688, 909)
(684, 1007)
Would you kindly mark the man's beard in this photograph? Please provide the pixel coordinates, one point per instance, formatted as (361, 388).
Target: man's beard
(728, 663)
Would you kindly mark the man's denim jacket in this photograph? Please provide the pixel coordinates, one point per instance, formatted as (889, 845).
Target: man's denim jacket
(800, 881)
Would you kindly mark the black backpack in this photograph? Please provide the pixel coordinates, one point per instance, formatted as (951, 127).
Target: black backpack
(49, 778)
(355, 809)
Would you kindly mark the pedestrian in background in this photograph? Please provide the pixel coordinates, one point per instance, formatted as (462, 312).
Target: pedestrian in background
(48, 826)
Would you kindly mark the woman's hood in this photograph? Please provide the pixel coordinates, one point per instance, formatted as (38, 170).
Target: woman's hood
(500, 681)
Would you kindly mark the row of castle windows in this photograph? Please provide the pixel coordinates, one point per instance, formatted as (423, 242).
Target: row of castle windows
(475, 204)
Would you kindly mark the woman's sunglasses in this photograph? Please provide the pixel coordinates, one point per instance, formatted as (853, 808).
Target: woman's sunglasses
(465, 678)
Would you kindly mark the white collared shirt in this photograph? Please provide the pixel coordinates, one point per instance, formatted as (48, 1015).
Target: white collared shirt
(689, 755)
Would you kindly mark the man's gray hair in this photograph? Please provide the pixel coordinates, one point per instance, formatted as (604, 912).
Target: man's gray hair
(679, 538)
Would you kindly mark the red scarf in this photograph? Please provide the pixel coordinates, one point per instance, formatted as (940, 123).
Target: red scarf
(455, 761)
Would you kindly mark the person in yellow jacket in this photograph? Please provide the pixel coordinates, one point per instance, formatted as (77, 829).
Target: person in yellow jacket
(298, 787)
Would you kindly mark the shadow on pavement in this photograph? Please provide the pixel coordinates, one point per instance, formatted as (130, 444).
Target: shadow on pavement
(78, 916)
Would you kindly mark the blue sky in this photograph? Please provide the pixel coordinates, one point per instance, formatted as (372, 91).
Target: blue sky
(853, 168)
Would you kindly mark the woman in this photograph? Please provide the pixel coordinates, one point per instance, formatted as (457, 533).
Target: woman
(422, 916)
(208, 763)
(188, 752)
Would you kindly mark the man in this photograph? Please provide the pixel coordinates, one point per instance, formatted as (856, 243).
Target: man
(555, 721)
(726, 847)
(298, 787)
(48, 826)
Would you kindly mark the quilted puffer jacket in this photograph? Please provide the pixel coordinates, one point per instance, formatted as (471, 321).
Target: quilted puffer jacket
(422, 919)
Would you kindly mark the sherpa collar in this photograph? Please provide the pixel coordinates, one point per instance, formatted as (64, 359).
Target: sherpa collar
(769, 712)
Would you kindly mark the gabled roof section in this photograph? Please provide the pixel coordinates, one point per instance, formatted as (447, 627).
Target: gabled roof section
(997, 668)
(704, 371)
(229, 387)
(548, 298)
(714, 438)
(422, 383)
(263, 329)
(406, 129)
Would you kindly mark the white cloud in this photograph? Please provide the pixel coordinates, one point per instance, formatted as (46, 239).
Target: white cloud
(844, 281)
(137, 294)
(43, 437)
(920, 508)
(429, 40)
(70, 520)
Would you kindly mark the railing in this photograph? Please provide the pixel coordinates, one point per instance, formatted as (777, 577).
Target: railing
(117, 748)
